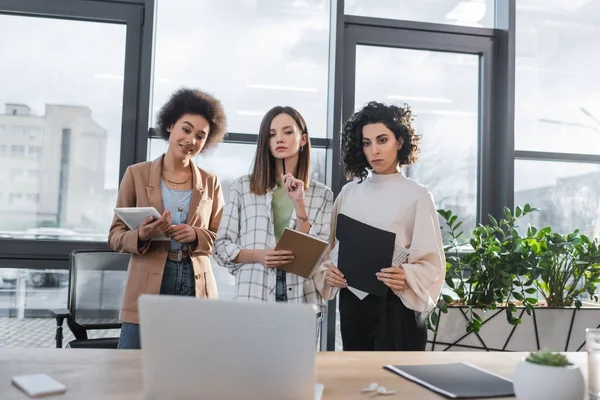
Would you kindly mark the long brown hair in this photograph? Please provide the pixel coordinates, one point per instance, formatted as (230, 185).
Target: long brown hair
(263, 176)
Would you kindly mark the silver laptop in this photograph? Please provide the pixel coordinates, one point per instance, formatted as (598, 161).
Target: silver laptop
(215, 349)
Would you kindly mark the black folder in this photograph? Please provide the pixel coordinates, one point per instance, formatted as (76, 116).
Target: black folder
(456, 380)
(363, 251)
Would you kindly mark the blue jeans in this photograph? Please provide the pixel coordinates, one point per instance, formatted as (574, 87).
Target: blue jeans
(129, 337)
(178, 280)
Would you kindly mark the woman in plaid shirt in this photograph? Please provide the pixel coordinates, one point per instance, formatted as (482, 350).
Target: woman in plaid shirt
(261, 205)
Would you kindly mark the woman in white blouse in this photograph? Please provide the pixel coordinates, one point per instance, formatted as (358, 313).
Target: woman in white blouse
(262, 204)
(379, 138)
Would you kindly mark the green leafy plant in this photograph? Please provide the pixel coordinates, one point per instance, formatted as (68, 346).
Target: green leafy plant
(569, 266)
(495, 273)
(546, 357)
(497, 267)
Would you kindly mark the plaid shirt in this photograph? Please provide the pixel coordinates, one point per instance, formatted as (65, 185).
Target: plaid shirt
(247, 223)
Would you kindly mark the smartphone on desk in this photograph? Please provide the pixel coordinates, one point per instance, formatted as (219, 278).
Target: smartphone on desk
(37, 385)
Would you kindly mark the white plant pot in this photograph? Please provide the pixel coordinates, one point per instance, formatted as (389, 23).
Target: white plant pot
(541, 382)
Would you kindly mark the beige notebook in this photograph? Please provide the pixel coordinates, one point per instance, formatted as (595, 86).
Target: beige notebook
(308, 251)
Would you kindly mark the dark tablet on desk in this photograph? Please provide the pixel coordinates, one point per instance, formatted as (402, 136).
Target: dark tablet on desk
(456, 380)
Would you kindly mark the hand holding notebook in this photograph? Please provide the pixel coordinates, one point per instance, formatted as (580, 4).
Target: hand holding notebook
(308, 252)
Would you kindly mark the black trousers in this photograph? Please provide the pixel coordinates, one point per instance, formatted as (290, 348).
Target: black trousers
(379, 324)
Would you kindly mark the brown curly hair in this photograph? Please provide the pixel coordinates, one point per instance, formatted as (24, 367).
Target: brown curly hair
(396, 119)
(193, 101)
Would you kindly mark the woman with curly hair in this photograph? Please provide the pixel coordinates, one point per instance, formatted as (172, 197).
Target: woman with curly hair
(191, 205)
(276, 195)
(379, 139)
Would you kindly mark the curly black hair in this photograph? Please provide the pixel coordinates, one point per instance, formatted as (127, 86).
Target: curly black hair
(396, 119)
(193, 101)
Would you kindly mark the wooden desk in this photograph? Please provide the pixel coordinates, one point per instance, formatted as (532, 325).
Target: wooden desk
(116, 374)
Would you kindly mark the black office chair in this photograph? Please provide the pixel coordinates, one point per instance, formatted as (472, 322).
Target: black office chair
(96, 284)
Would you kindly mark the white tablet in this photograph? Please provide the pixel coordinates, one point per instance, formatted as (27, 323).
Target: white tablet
(134, 216)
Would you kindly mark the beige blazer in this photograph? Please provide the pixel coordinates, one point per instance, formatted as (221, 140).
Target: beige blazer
(140, 187)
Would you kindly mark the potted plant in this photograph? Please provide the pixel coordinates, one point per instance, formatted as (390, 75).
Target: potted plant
(545, 375)
(494, 274)
(503, 271)
(568, 267)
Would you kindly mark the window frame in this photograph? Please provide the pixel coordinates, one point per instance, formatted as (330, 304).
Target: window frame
(496, 134)
(250, 138)
(138, 16)
(496, 157)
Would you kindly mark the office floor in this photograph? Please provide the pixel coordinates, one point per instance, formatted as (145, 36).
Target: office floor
(37, 332)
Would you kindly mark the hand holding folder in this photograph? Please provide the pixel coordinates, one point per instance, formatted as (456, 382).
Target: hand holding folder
(363, 251)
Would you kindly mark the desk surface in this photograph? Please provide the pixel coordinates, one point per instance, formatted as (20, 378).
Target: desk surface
(116, 374)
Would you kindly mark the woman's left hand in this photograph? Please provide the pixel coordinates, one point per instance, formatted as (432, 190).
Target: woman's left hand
(182, 233)
(393, 277)
(295, 187)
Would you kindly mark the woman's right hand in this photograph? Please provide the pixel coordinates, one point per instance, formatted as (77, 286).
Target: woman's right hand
(334, 277)
(270, 258)
(150, 228)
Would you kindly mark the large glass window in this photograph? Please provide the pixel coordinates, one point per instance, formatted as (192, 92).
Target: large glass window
(567, 195)
(557, 82)
(65, 98)
(476, 13)
(557, 109)
(442, 90)
(269, 53)
(60, 118)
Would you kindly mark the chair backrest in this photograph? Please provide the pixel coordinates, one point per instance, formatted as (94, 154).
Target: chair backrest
(96, 285)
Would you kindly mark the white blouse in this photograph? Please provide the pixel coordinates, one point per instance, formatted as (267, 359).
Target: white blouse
(401, 205)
